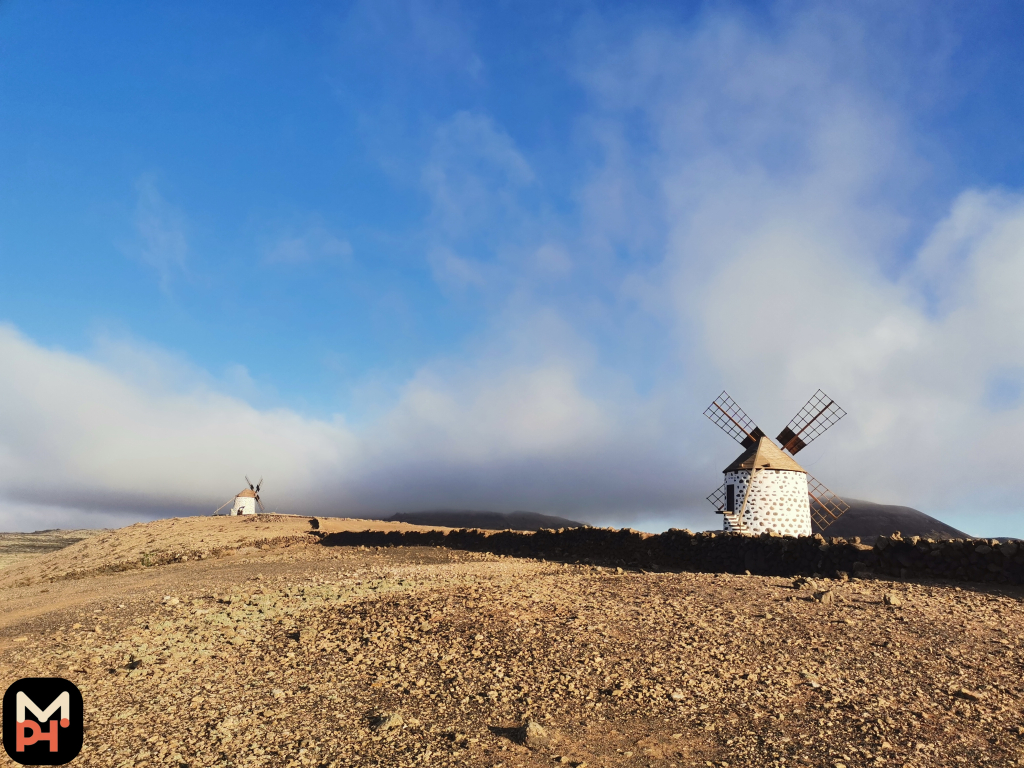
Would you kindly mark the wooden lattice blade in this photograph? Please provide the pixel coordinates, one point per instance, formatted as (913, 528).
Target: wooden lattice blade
(811, 422)
(731, 419)
(717, 499)
(826, 507)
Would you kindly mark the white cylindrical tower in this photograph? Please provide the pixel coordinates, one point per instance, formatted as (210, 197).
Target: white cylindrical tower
(245, 503)
(777, 499)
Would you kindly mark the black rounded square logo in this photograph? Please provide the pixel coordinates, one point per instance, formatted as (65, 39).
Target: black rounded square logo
(43, 721)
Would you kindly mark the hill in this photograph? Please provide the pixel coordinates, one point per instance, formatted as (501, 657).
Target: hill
(15, 547)
(416, 656)
(870, 520)
(488, 521)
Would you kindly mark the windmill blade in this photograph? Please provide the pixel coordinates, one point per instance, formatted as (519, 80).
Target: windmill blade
(248, 482)
(733, 421)
(826, 507)
(817, 415)
(260, 503)
(259, 484)
(717, 498)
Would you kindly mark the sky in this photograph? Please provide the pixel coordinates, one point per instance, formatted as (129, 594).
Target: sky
(396, 256)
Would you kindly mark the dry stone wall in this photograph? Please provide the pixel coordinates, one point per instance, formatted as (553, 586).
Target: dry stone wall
(978, 560)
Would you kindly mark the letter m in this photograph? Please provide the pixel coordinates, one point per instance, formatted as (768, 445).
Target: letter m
(62, 702)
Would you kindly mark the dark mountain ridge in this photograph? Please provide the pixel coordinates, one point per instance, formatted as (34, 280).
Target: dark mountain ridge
(866, 519)
(869, 520)
(488, 521)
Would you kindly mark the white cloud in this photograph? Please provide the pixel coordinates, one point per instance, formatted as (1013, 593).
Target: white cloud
(162, 243)
(533, 420)
(474, 174)
(782, 188)
(553, 260)
(436, 36)
(453, 272)
(315, 243)
(80, 435)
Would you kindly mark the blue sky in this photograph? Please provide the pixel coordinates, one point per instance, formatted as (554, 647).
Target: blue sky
(407, 255)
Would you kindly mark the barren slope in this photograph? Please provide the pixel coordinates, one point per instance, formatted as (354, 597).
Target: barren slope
(17, 547)
(178, 539)
(286, 656)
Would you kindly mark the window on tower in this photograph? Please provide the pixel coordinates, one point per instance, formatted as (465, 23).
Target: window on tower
(730, 498)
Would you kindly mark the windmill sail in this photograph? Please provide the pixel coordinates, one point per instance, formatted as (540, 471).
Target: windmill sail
(817, 415)
(717, 498)
(733, 421)
(826, 507)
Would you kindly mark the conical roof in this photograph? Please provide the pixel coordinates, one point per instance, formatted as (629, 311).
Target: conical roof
(764, 455)
(248, 493)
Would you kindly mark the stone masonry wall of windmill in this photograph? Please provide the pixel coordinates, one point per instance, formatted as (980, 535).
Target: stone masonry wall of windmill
(245, 503)
(777, 502)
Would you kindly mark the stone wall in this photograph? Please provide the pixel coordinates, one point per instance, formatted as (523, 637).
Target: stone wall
(714, 552)
(777, 500)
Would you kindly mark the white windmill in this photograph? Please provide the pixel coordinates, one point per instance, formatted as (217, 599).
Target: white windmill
(245, 500)
(765, 489)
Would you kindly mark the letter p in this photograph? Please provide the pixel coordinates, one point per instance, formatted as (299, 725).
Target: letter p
(22, 738)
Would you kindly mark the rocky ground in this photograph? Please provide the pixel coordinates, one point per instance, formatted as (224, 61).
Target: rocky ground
(291, 653)
(18, 547)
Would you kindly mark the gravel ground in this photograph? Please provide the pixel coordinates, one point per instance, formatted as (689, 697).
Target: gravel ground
(18, 547)
(308, 655)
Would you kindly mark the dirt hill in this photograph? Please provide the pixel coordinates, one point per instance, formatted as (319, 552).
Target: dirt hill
(276, 650)
(15, 547)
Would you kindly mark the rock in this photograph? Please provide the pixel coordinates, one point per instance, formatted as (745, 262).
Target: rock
(314, 524)
(168, 600)
(964, 693)
(828, 597)
(385, 721)
(677, 695)
(803, 583)
(534, 735)
(891, 598)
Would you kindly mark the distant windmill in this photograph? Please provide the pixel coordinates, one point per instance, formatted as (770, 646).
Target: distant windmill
(765, 489)
(245, 500)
